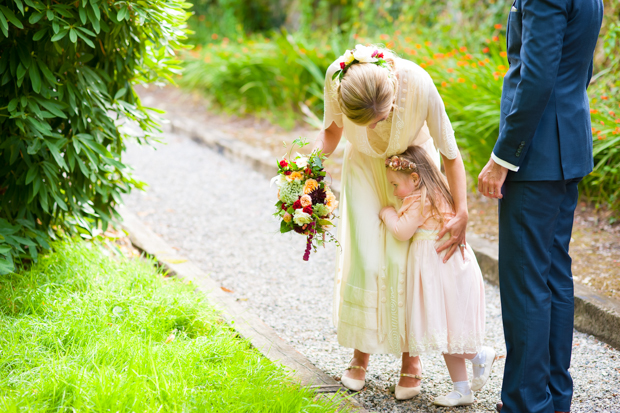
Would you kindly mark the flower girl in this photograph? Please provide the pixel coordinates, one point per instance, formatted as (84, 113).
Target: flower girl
(444, 300)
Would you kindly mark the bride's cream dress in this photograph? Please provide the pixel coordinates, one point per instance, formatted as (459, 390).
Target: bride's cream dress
(369, 298)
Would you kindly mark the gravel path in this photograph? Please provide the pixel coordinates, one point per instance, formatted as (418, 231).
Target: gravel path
(218, 214)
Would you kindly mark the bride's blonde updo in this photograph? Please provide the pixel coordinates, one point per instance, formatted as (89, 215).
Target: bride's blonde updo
(367, 91)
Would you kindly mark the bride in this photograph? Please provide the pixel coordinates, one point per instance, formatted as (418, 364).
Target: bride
(383, 104)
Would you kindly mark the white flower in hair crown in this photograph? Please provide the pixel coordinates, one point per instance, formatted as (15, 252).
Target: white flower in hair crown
(361, 54)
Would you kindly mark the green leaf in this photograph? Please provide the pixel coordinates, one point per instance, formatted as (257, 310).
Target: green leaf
(35, 17)
(95, 7)
(32, 172)
(86, 40)
(59, 35)
(35, 78)
(39, 35)
(4, 25)
(121, 13)
(85, 30)
(285, 227)
(50, 15)
(10, 16)
(12, 105)
(47, 72)
(21, 71)
(72, 35)
(20, 6)
(83, 17)
(121, 92)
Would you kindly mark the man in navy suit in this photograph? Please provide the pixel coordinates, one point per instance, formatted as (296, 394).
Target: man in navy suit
(543, 150)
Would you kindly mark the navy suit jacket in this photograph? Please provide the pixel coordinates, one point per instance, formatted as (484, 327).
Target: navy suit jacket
(545, 113)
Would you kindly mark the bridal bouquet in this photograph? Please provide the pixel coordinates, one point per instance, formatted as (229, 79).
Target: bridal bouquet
(305, 203)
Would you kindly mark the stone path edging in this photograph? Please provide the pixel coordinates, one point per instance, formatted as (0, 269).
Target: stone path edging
(594, 313)
(248, 325)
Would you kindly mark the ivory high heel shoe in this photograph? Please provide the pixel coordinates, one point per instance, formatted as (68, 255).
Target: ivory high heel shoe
(353, 384)
(406, 393)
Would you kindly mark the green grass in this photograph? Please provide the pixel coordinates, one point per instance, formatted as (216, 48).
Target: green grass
(86, 332)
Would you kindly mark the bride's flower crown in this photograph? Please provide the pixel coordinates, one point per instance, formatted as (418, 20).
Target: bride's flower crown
(361, 54)
(400, 164)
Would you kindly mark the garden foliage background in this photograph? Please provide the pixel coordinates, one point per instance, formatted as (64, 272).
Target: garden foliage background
(268, 58)
(67, 72)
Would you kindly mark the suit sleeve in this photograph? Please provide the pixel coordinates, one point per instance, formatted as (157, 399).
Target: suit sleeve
(543, 25)
(590, 71)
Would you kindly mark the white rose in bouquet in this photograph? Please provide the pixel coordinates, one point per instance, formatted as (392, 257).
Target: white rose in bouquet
(301, 217)
(363, 54)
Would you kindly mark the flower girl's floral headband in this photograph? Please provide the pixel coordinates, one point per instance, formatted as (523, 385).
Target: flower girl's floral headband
(361, 54)
(399, 164)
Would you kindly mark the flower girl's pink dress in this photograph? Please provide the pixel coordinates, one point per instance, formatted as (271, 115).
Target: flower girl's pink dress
(444, 301)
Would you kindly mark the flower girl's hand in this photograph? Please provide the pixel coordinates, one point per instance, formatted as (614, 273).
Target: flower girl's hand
(384, 210)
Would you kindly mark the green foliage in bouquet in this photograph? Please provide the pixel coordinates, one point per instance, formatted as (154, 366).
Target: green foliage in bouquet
(67, 71)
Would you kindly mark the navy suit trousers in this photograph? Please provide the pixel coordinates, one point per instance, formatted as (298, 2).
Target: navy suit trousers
(536, 287)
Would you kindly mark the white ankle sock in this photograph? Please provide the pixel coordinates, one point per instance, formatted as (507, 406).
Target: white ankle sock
(460, 387)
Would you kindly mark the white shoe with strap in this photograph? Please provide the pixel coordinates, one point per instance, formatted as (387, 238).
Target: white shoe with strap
(353, 384)
(482, 371)
(462, 400)
(406, 393)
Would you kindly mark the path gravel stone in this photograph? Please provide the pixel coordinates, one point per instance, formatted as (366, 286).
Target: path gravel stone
(218, 214)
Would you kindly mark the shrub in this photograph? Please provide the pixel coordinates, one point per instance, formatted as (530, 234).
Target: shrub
(67, 71)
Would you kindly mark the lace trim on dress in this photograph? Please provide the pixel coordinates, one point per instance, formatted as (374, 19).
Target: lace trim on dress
(449, 149)
(437, 341)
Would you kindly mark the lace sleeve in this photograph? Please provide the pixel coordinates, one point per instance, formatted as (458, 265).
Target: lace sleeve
(439, 124)
(332, 108)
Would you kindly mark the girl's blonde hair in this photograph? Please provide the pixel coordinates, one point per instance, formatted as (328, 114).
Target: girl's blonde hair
(367, 91)
(432, 182)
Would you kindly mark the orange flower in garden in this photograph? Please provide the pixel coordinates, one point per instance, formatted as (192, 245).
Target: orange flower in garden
(408, 39)
(593, 111)
(390, 45)
(418, 46)
(503, 54)
(355, 36)
(481, 63)
(438, 55)
(602, 123)
(463, 49)
(451, 79)
(501, 67)
(485, 50)
(214, 36)
(467, 57)
(397, 32)
(461, 63)
(487, 40)
(450, 70)
(612, 113)
(487, 60)
(498, 26)
(473, 65)
(384, 37)
(207, 59)
(226, 39)
(414, 52)
(245, 50)
(461, 80)
(423, 65)
(495, 38)
(427, 43)
(444, 84)
(474, 86)
(604, 97)
(602, 137)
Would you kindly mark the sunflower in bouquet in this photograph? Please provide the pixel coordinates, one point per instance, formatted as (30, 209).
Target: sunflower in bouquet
(305, 203)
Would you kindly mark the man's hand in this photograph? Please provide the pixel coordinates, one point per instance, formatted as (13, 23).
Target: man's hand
(491, 179)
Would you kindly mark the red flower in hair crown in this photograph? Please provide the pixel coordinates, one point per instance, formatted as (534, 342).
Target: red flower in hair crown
(361, 54)
(399, 164)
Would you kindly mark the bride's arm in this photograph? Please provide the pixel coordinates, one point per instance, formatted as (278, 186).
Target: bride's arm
(457, 226)
(328, 139)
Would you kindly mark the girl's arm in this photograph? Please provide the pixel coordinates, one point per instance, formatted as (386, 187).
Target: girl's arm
(328, 139)
(406, 225)
(457, 226)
